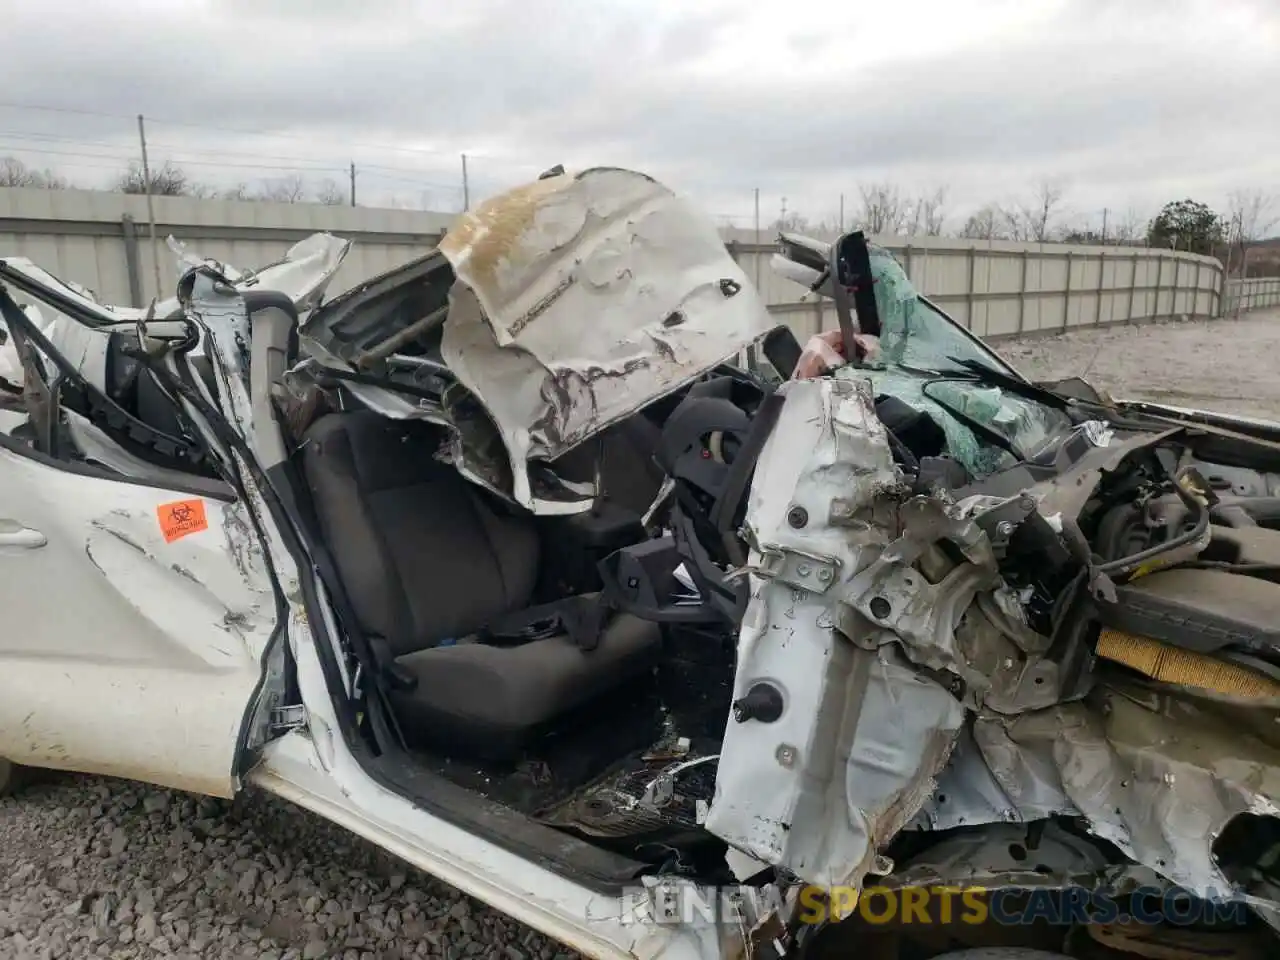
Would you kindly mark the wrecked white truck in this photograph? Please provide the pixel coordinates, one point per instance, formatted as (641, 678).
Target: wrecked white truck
(499, 561)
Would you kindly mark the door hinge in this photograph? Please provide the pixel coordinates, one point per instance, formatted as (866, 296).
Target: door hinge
(288, 718)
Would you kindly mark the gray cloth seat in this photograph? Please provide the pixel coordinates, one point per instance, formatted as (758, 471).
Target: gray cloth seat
(428, 561)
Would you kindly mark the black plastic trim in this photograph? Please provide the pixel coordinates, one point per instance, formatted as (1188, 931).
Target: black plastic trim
(215, 491)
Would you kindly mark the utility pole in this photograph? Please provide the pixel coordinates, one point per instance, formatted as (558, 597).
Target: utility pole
(466, 185)
(1104, 226)
(353, 183)
(842, 213)
(782, 218)
(151, 210)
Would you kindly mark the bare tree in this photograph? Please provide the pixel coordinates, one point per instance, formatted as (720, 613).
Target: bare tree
(1035, 217)
(290, 189)
(330, 193)
(790, 222)
(1250, 214)
(239, 191)
(1129, 228)
(15, 173)
(883, 209)
(985, 223)
(928, 213)
(166, 181)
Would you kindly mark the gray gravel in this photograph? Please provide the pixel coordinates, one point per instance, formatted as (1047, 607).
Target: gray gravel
(98, 868)
(1227, 365)
(91, 867)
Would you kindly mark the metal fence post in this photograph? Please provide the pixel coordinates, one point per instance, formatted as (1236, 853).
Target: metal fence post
(1155, 307)
(1133, 287)
(1066, 295)
(1102, 276)
(973, 271)
(1022, 294)
(1177, 278)
(129, 230)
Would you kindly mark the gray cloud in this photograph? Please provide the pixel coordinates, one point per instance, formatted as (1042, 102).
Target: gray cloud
(1127, 104)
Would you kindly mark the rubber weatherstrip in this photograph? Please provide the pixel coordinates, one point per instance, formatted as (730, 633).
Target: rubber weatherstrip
(103, 408)
(741, 471)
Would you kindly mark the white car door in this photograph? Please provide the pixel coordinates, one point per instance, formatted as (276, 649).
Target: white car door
(142, 630)
(134, 620)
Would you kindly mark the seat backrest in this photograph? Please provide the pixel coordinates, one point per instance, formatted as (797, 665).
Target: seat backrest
(623, 457)
(424, 554)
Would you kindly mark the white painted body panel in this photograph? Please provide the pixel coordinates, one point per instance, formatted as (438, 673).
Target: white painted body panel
(860, 735)
(122, 654)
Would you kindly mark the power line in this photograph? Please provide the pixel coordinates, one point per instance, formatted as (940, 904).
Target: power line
(296, 165)
(425, 151)
(196, 151)
(217, 158)
(185, 161)
(200, 156)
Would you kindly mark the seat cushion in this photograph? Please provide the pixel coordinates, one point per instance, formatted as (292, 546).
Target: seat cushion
(424, 554)
(489, 701)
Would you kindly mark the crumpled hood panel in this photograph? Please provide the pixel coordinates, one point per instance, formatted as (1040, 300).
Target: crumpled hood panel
(582, 298)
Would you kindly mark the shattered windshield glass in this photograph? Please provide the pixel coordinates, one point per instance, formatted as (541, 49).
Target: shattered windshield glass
(927, 362)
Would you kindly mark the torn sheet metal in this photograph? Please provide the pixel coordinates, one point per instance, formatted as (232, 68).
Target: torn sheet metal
(33, 280)
(1157, 774)
(970, 793)
(833, 748)
(1010, 855)
(582, 298)
(303, 274)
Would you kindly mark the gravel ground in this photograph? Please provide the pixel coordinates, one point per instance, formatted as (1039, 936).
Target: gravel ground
(1227, 365)
(91, 867)
(99, 868)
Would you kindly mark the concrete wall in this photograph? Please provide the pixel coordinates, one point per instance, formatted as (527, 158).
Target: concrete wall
(996, 288)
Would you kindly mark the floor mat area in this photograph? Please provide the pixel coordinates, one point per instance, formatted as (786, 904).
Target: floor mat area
(636, 768)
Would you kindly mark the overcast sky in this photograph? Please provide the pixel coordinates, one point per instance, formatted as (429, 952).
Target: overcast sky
(1126, 103)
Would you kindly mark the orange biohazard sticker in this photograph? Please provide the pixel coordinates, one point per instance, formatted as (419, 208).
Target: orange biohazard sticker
(180, 518)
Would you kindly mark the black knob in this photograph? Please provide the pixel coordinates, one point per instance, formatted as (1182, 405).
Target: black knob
(762, 702)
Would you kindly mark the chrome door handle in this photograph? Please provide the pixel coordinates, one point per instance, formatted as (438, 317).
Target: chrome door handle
(14, 534)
